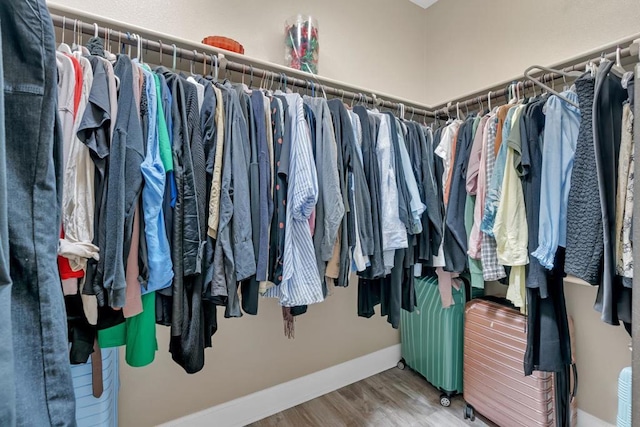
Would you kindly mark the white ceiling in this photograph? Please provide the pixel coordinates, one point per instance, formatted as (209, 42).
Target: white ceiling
(424, 3)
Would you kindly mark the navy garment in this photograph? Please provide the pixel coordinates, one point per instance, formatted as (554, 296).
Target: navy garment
(41, 372)
(431, 237)
(455, 235)
(94, 132)
(8, 390)
(548, 339)
(281, 154)
(531, 132)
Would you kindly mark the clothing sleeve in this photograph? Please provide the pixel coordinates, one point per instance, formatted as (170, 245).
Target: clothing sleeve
(510, 228)
(331, 194)
(550, 191)
(494, 192)
(242, 230)
(191, 238)
(305, 192)
(474, 161)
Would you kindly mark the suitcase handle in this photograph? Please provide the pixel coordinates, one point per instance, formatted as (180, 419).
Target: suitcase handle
(574, 369)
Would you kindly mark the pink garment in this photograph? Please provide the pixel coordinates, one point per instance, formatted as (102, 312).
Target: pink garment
(445, 282)
(475, 238)
(474, 158)
(133, 302)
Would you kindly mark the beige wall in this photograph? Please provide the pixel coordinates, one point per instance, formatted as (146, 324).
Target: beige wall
(375, 44)
(476, 44)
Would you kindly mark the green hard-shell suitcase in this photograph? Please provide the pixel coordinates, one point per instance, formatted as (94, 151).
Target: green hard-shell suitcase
(432, 338)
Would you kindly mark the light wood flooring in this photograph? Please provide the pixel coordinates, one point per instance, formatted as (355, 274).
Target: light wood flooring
(391, 398)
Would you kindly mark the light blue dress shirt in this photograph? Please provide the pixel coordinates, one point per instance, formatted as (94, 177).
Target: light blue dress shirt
(558, 151)
(301, 284)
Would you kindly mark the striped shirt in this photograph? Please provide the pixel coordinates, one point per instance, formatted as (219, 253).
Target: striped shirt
(301, 284)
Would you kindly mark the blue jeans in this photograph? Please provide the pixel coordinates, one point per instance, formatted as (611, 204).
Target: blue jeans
(42, 377)
(7, 386)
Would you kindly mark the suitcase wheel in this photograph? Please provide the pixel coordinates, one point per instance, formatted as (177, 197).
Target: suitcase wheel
(401, 364)
(445, 400)
(469, 412)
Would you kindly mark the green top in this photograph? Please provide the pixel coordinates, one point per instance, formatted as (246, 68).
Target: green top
(138, 333)
(163, 132)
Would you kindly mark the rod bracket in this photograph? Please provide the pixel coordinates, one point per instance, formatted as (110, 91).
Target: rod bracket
(634, 48)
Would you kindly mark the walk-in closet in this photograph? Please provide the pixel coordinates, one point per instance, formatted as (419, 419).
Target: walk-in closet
(319, 213)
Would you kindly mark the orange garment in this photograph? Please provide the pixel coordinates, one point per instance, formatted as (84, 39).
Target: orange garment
(502, 117)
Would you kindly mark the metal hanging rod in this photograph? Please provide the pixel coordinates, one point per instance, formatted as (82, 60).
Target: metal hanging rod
(483, 99)
(72, 19)
(205, 55)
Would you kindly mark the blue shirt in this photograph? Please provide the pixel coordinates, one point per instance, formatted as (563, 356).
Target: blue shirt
(558, 151)
(494, 190)
(159, 254)
(301, 284)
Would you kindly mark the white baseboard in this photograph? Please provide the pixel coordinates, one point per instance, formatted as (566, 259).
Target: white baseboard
(248, 409)
(585, 419)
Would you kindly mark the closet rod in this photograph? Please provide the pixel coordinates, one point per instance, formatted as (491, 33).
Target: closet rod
(314, 83)
(466, 101)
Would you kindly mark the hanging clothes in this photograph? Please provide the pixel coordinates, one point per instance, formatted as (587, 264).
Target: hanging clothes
(584, 214)
(560, 136)
(613, 300)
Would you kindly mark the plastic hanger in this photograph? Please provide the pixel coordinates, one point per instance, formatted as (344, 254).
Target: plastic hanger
(64, 48)
(175, 52)
(214, 69)
(192, 63)
(571, 74)
(161, 49)
(489, 100)
(617, 67)
(251, 77)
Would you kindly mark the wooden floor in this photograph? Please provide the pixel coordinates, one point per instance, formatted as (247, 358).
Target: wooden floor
(391, 398)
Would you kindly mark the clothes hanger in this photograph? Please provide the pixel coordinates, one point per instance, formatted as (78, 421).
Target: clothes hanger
(175, 52)
(64, 48)
(571, 74)
(204, 64)
(617, 67)
(251, 77)
(161, 49)
(192, 63)
(214, 70)
(489, 100)
(140, 54)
